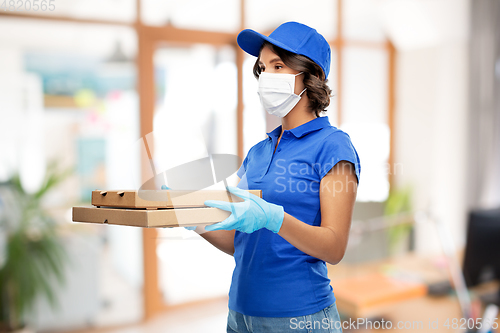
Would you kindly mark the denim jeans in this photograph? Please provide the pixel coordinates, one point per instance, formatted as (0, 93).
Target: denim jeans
(324, 321)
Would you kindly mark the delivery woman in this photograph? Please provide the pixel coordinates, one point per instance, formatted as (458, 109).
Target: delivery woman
(308, 172)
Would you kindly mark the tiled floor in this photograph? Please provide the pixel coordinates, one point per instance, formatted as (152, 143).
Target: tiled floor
(207, 317)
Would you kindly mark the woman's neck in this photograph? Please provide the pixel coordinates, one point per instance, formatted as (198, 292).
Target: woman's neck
(299, 115)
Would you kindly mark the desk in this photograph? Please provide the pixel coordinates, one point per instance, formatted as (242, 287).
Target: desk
(416, 310)
(397, 279)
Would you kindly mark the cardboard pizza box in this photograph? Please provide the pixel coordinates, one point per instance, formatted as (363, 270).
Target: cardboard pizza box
(150, 218)
(162, 198)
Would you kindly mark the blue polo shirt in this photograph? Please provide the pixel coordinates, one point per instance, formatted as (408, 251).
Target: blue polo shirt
(273, 278)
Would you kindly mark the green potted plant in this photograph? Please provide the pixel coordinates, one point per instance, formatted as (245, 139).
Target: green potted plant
(33, 253)
(399, 202)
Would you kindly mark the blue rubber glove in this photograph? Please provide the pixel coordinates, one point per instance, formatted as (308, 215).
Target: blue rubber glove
(165, 187)
(253, 214)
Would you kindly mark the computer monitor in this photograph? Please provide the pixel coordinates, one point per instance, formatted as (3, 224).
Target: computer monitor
(482, 250)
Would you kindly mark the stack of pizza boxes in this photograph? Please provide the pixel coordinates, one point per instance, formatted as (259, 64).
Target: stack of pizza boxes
(155, 208)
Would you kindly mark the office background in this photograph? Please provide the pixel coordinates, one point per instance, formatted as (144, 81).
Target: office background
(104, 87)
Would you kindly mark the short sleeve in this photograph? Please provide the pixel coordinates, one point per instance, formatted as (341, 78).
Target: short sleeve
(241, 171)
(335, 148)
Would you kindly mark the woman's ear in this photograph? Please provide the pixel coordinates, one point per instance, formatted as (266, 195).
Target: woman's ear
(313, 72)
(310, 75)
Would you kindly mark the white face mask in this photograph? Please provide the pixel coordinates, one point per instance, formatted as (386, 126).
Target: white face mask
(277, 93)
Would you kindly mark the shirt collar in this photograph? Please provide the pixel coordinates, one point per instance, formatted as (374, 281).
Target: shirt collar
(304, 129)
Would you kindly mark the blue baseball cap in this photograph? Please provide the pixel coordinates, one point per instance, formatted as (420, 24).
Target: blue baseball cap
(294, 37)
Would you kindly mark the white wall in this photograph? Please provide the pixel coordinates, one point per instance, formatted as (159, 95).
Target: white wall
(431, 113)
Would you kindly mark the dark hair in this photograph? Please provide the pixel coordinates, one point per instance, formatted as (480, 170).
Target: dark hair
(317, 91)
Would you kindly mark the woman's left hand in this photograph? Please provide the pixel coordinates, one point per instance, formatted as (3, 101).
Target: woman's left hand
(253, 214)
